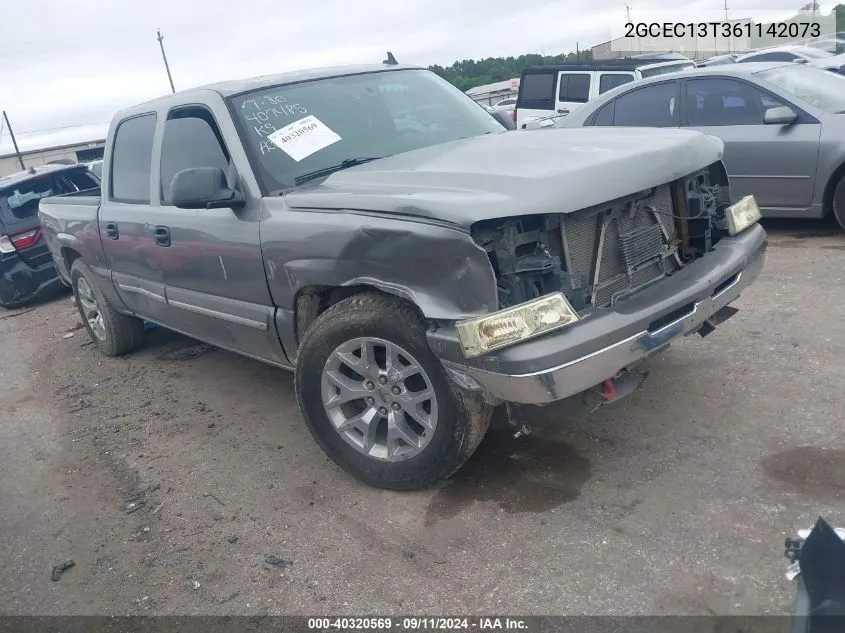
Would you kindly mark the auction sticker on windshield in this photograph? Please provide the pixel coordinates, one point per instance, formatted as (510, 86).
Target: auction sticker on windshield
(304, 137)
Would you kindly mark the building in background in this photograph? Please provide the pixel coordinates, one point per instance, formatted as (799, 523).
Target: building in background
(692, 47)
(77, 152)
(491, 94)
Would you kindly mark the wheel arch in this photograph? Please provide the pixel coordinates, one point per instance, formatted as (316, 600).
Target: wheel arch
(312, 301)
(830, 189)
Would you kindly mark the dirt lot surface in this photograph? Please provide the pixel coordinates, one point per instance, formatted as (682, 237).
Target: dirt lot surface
(675, 500)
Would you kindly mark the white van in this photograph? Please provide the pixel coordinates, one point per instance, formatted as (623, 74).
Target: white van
(559, 89)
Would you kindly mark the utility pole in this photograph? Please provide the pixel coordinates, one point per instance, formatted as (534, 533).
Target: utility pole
(164, 57)
(14, 142)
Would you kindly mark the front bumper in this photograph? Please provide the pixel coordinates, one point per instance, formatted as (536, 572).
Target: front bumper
(607, 342)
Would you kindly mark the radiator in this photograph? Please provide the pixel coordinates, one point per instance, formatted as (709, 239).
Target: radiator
(613, 250)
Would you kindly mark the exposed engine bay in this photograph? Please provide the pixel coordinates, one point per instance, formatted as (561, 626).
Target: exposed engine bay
(600, 255)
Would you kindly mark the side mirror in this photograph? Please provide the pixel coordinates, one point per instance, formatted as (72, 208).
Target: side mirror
(203, 188)
(782, 115)
(504, 117)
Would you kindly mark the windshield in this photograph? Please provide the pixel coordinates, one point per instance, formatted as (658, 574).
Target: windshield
(668, 68)
(820, 88)
(294, 130)
(720, 61)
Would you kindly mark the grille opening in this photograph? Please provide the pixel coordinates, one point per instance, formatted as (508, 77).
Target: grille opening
(666, 319)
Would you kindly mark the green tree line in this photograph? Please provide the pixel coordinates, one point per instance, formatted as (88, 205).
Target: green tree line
(470, 73)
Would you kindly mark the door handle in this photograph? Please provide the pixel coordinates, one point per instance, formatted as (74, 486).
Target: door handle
(563, 111)
(161, 234)
(111, 231)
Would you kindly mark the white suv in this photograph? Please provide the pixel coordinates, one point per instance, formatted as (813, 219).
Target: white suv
(559, 89)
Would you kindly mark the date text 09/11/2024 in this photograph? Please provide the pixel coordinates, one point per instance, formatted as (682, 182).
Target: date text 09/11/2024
(415, 624)
(785, 30)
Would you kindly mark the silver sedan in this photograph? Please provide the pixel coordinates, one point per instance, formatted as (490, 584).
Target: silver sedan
(783, 126)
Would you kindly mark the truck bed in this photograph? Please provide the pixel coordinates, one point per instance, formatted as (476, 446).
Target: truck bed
(74, 214)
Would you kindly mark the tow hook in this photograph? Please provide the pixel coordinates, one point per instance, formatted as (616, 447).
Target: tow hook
(613, 389)
(522, 428)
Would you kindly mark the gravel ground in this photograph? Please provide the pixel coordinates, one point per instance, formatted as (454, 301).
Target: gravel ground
(675, 500)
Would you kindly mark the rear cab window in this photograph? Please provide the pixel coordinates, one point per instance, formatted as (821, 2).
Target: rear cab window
(574, 88)
(537, 90)
(131, 161)
(609, 81)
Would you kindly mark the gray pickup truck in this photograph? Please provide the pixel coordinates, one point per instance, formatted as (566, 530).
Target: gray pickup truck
(414, 263)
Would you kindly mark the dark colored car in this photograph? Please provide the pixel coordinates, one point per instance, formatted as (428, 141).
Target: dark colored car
(412, 261)
(27, 272)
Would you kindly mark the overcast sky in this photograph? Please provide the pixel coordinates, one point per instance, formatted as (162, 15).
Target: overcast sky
(74, 62)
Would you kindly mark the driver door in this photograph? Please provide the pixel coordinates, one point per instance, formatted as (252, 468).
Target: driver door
(776, 163)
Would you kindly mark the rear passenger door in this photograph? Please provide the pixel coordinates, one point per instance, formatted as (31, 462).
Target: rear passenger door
(216, 286)
(573, 91)
(126, 220)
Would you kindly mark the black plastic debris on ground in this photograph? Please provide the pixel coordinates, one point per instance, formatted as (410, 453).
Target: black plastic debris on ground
(278, 562)
(822, 564)
(138, 500)
(61, 568)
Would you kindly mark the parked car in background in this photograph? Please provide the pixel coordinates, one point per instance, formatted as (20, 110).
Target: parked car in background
(718, 60)
(834, 44)
(783, 126)
(800, 54)
(505, 103)
(27, 272)
(558, 89)
(96, 167)
(502, 116)
(413, 262)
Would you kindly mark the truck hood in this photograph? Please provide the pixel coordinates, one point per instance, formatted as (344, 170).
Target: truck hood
(514, 173)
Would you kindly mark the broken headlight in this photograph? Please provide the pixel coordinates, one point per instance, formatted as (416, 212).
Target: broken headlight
(742, 215)
(512, 325)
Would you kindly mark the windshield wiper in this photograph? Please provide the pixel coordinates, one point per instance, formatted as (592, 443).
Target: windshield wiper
(325, 171)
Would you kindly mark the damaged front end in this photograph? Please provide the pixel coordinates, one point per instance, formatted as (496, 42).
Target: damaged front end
(602, 255)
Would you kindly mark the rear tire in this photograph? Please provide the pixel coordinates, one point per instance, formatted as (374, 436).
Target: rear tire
(114, 333)
(403, 425)
(838, 205)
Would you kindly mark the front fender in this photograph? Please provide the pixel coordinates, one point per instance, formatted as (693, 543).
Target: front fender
(436, 266)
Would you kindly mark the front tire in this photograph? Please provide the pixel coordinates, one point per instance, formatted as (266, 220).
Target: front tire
(378, 401)
(114, 333)
(838, 205)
